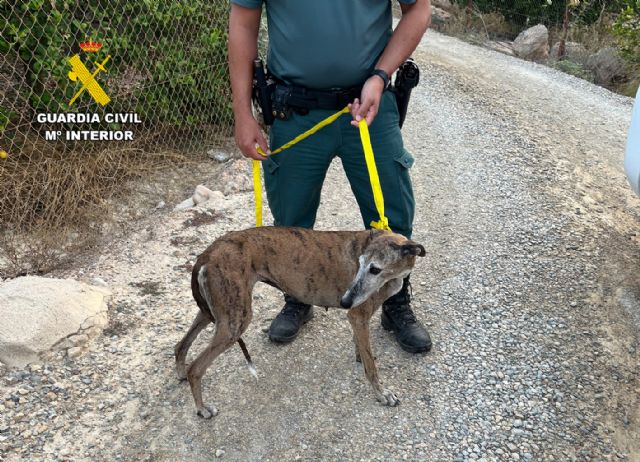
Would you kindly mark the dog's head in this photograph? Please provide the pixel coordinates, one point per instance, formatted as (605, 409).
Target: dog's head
(388, 256)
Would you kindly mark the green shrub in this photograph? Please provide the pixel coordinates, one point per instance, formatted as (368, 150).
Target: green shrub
(573, 68)
(627, 31)
(549, 12)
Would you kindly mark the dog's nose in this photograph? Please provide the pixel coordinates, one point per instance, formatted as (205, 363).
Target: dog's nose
(346, 302)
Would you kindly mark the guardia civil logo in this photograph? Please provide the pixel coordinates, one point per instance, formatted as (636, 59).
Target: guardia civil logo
(88, 80)
(86, 71)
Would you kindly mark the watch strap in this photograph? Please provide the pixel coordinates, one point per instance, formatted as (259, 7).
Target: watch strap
(384, 76)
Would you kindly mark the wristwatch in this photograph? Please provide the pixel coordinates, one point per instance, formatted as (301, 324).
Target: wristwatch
(384, 76)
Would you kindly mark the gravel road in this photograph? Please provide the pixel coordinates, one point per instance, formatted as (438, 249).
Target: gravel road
(530, 289)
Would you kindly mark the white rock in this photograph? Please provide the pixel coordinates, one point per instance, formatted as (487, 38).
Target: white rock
(532, 43)
(185, 204)
(443, 4)
(38, 312)
(218, 156)
(74, 352)
(201, 194)
(98, 282)
(219, 452)
(439, 16)
(217, 201)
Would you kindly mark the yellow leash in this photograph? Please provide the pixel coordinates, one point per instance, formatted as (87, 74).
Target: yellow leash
(378, 198)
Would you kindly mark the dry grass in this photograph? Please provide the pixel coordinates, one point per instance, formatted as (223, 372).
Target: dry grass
(594, 36)
(54, 204)
(477, 27)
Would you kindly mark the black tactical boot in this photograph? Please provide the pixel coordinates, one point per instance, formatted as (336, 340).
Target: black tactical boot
(398, 317)
(284, 328)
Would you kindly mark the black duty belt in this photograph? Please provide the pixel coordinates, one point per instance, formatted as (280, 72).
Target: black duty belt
(303, 99)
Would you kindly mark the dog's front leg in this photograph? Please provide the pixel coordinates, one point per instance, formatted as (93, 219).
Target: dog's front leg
(359, 318)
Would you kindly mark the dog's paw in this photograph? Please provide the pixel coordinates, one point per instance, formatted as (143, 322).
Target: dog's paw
(206, 412)
(181, 373)
(388, 398)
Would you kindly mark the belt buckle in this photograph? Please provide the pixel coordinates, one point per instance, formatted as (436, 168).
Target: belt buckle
(343, 97)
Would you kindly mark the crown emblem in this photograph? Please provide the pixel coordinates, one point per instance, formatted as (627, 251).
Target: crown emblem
(90, 46)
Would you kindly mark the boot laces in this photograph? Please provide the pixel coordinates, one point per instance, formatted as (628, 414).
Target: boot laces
(401, 314)
(292, 310)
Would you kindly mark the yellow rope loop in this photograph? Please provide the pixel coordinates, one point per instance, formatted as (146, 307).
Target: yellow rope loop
(381, 224)
(257, 191)
(378, 197)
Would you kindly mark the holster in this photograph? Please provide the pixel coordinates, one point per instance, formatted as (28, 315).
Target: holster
(263, 87)
(407, 79)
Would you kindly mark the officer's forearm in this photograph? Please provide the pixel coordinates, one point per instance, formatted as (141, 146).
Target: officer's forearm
(244, 24)
(415, 20)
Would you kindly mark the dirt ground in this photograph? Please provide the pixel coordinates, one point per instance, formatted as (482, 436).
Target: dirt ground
(530, 290)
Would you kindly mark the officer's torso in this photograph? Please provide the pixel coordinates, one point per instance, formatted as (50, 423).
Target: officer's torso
(326, 43)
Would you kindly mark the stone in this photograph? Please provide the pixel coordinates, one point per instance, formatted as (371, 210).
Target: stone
(606, 65)
(99, 282)
(74, 352)
(442, 4)
(38, 312)
(201, 195)
(219, 453)
(532, 44)
(216, 200)
(185, 204)
(218, 156)
(236, 177)
(439, 16)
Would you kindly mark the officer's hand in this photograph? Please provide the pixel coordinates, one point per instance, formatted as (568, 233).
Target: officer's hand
(249, 136)
(367, 106)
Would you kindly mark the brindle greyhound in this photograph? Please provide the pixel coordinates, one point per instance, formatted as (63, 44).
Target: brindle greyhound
(315, 267)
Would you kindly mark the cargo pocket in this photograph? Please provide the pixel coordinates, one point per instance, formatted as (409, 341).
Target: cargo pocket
(270, 165)
(405, 159)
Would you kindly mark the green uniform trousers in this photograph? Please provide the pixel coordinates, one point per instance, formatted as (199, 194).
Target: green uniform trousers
(294, 177)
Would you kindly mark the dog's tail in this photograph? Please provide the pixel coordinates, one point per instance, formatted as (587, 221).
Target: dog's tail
(247, 356)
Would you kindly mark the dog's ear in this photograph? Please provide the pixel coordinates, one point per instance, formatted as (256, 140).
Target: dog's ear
(413, 248)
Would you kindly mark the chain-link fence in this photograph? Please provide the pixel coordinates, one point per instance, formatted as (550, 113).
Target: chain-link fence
(92, 93)
(88, 88)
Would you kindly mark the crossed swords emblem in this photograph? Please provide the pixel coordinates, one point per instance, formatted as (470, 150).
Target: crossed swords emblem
(80, 72)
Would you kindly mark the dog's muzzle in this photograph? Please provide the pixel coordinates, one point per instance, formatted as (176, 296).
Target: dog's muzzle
(347, 300)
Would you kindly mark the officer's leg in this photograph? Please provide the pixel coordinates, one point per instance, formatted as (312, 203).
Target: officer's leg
(293, 182)
(393, 163)
(294, 177)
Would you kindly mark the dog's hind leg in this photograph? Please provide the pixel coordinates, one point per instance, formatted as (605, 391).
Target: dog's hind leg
(229, 328)
(359, 318)
(221, 342)
(182, 347)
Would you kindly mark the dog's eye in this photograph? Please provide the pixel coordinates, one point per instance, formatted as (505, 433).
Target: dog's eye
(374, 270)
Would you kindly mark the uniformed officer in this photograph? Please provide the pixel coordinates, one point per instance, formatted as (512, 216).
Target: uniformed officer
(325, 54)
